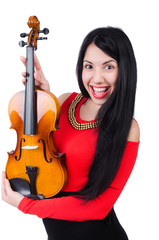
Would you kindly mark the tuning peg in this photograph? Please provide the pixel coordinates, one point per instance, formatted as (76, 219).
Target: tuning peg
(23, 35)
(45, 31)
(41, 38)
(22, 43)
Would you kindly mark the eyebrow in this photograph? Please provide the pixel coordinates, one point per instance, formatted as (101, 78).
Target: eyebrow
(103, 63)
(87, 61)
(110, 61)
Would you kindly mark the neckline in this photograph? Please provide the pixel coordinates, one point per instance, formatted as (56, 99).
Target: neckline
(74, 118)
(77, 112)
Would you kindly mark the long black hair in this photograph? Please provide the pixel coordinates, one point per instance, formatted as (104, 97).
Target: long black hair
(116, 113)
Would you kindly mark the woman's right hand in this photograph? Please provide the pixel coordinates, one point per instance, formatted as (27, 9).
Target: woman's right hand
(40, 80)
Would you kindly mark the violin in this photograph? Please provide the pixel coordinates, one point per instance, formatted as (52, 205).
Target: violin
(35, 169)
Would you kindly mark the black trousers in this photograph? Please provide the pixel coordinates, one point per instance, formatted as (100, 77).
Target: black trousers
(108, 228)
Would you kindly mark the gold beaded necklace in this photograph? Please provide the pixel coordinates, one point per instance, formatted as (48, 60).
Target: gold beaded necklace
(72, 118)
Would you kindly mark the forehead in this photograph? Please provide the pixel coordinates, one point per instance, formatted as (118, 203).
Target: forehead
(93, 53)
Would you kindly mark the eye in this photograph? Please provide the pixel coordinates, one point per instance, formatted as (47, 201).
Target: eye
(109, 67)
(88, 66)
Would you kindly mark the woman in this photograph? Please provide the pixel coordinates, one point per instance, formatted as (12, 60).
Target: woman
(101, 146)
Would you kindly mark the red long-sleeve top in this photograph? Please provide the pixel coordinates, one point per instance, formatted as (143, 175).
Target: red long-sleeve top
(79, 147)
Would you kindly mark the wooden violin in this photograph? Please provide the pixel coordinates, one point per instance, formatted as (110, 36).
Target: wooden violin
(35, 168)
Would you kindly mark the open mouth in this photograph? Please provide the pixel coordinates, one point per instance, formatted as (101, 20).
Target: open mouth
(100, 92)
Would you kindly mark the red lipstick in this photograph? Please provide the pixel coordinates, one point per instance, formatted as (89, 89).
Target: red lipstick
(99, 92)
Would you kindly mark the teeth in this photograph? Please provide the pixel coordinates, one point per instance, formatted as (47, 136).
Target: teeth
(100, 89)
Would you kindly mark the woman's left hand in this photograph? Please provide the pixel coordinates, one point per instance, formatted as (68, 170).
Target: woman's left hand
(8, 195)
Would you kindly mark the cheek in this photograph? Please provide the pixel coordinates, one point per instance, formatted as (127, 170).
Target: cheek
(113, 79)
(85, 79)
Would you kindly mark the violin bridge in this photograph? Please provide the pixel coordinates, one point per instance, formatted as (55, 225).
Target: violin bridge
(30, 147)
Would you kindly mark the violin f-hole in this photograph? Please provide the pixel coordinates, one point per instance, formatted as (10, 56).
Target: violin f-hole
(44, 151)
(20, 154)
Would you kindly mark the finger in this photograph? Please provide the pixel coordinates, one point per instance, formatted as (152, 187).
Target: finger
(3, 177)
(3, 190)
(3, 174)
(8, 188)
(24, 74)
(24, 81)
(23, 59)
(37, 77)
(36, 63)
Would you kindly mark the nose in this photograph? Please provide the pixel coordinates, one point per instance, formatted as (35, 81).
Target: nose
(98, 76)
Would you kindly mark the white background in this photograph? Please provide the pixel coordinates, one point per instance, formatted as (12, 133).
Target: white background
(69, 22)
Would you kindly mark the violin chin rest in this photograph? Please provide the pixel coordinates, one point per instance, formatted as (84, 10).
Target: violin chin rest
(20, 185)
(23, 187)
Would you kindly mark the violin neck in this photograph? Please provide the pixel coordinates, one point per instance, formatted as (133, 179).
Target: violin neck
(30, 104)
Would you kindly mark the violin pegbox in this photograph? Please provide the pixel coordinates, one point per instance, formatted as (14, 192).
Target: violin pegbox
(33, 36)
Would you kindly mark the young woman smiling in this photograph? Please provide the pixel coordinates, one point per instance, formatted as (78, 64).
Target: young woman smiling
(100, 139)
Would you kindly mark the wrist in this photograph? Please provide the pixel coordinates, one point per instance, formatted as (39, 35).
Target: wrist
(19, 199)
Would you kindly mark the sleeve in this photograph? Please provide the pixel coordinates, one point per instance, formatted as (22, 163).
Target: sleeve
(73, 209)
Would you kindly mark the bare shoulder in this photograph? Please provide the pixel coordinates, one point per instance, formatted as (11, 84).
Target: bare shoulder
(134, 133)
(63, 97)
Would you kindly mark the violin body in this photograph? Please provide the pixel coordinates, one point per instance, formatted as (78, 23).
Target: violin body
(35, 168)
(51, 170)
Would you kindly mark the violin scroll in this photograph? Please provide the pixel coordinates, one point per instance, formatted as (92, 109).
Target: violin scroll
(33, 36)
